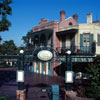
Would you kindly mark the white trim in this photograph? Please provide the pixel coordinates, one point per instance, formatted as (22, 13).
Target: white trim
(46, 68)
(40, 67)
(34, 66)
(66, 19)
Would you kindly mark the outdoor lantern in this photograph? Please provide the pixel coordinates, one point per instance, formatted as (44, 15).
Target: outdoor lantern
(69, 77)
(68, 52)
(20, 71)
(20, 76)
(21, 51)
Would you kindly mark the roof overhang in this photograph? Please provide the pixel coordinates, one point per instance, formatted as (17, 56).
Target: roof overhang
(67, 32)
(45, 31)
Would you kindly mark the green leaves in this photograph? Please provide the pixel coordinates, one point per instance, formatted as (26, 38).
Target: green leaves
(9, 48)
(4, 98)
(93, 71)
(4, 24)
(5, 10)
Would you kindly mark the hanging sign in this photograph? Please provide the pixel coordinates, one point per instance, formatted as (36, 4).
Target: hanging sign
(45, 55)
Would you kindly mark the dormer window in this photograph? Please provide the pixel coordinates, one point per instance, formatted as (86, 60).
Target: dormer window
(70, 23)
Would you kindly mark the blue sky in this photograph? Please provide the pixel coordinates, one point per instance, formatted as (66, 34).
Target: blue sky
(27, 14)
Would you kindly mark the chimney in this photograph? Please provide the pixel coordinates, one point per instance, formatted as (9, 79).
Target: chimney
(89, 18)
(75, 17)
(62, 15)
(43, 21)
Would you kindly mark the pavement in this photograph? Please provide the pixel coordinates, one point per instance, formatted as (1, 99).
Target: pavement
(34, 82)
(8, 84)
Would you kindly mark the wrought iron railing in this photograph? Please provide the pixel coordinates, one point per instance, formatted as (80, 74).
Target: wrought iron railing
(29, 50)
(82, 50)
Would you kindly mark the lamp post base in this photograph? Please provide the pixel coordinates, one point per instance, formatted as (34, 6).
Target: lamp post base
(21, 94)
(69, 94)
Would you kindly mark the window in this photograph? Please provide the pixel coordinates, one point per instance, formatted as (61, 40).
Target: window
(70, 23)
(86, 40)
(98, 39)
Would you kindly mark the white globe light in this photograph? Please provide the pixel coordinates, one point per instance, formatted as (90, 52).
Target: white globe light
(21, 51)
(68, 52)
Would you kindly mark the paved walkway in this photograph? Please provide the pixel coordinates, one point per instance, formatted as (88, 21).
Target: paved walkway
(8, 84)
(33, 83)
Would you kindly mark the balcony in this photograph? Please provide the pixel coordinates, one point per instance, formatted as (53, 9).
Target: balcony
(31, 48)
(77, 50)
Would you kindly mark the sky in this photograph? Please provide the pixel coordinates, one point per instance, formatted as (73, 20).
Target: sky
(26, 14)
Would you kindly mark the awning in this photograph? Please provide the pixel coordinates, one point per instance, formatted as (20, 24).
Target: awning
(67, 32)
(45, 31)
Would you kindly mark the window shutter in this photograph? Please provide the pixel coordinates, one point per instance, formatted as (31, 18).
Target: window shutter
(91, 39)
(98, 39)
(73, 41)
(81, 40)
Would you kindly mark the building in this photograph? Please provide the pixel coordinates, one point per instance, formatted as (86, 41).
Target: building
(81, 39)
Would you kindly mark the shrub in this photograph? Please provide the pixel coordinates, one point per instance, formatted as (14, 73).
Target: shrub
(93, 71)
(4, 98)
(80, 91)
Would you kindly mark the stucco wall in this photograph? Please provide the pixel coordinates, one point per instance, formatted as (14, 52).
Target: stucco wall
(97, 31)
(65, 23)
(92, 29)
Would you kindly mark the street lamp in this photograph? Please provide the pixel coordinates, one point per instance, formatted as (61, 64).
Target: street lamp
(69, 72)
(21, 51)
(20, 72)
(68, 52)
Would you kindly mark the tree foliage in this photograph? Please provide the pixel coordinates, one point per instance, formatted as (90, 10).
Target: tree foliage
(93, 71)
(28, 46)
(5, 10)
(26, 38)
(4, 98)
(8, 48)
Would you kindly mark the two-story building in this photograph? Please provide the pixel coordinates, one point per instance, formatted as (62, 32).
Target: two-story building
(81, 39)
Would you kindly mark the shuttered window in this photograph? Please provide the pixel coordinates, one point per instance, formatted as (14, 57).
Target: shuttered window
(91, 39)
(81, 39)
(98, 39)
(73, 41)
(86, 39)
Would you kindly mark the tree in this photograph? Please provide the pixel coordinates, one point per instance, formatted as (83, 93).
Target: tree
(93, 71)
(0, 39)
(5, 10)
(26, 38)
(1, 49)
(9, 48)
(28, 46)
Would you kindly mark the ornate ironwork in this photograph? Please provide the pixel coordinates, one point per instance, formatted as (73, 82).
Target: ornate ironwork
(77, 50)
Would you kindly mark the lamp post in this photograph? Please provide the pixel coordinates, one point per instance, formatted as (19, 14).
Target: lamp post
(20, 77)
(69, 72)
(20, 72)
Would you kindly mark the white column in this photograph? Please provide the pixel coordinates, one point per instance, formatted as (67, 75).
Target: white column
(46, 68)
(34, 66)
(40, 67)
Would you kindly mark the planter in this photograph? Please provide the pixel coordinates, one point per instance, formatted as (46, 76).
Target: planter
(71, 95)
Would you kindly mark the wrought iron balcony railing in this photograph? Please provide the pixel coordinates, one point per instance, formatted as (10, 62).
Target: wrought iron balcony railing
(77, 50)
(30, 48)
